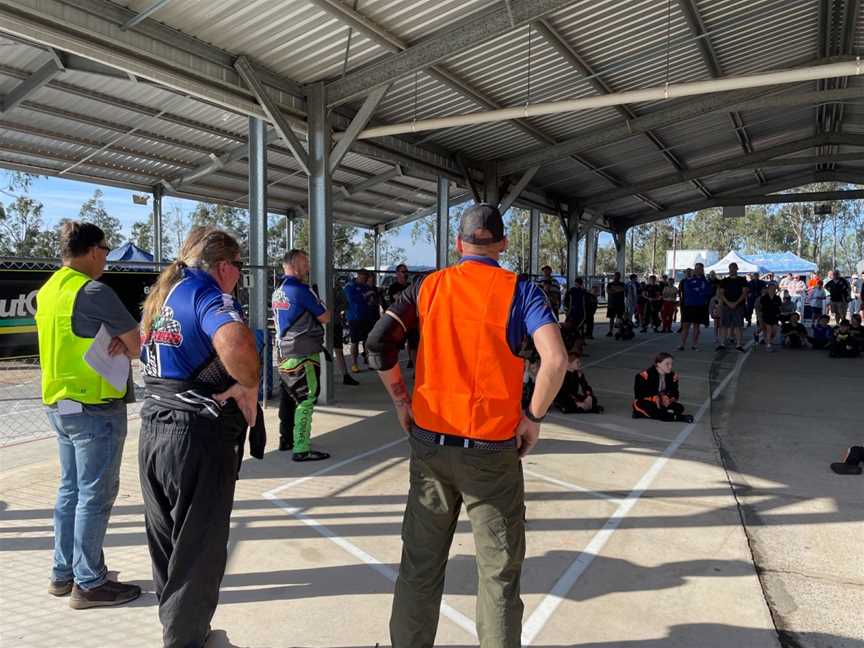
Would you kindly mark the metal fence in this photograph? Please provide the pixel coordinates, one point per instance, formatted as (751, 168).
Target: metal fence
(22, 414)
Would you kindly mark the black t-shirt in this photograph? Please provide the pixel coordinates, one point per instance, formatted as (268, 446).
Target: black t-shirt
(651, 291)
(615, 293)
(838, 289)
(733, 287)
(770, 308)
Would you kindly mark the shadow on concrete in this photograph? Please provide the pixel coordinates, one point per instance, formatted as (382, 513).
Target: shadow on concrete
(711, 635)
(539, 574)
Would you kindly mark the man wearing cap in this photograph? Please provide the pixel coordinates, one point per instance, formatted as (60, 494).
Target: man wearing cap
(466, 426)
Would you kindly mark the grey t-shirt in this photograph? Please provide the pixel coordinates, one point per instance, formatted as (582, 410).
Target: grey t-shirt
(97, 304)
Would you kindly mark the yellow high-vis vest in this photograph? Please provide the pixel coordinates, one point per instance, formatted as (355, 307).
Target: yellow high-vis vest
(65, 374)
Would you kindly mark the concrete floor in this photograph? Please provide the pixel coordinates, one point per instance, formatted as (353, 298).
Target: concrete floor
(635, 537)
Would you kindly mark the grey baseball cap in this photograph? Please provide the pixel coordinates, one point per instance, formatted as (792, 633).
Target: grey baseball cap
(482, 216)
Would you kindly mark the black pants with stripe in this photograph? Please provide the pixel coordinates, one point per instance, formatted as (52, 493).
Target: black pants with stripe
(188, 469)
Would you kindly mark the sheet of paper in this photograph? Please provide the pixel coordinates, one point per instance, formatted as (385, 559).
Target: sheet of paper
(69, 407)
(114, 369)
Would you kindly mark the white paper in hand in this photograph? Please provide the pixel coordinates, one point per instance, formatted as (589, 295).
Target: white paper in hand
(114, 369)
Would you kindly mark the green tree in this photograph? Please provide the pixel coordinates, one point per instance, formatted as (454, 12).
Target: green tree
(142, 236)
(93, 211)
(231, 219)
(553, 244)
(21, 228)
(425, 230)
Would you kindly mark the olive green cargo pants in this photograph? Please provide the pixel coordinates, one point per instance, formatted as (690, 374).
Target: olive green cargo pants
(491, 485)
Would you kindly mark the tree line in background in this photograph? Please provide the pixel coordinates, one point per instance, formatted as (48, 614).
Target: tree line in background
(23, 231)
(828, 240)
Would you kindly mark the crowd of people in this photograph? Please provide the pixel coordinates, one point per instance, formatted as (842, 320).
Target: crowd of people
(494, 357)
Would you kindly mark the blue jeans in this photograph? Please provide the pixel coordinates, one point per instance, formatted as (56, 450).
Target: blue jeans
(91, 448)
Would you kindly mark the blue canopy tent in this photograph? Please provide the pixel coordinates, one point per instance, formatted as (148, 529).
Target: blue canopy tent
(129, 252)
(777, 262)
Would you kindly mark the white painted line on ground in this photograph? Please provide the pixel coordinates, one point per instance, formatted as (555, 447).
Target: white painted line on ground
(617, 353)
(448, 611)
(294, 482)
(573, 487)
(543, 612)
(606, 426)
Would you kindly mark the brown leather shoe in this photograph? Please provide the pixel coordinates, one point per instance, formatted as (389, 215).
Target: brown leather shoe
(107, 594)
(60, 588)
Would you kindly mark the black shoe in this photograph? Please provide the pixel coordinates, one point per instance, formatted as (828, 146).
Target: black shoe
(311, 455)
(348, 380)
(60, 588)
(609, 334)
(644, 330)
(739, 348)
(683, 418)
(680, 348)
(846, 469)
(107, 594)
(285, 444)
(720, 347)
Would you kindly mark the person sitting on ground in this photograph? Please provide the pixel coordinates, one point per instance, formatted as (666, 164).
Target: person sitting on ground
(576, 395)
(787, 307)
(845, 343)
(794, 333)
(822, 334)
(769, 315)
(857, 330)
(624, 329)
(655, 392)
(851, 464)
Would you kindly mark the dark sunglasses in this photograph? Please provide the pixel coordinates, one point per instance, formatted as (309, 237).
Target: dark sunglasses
(238, 265)
(104, 247)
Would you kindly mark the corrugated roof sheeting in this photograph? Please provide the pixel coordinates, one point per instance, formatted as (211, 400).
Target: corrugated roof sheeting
(301, 41)
(485, 141)
(626, 42)
(776, 33)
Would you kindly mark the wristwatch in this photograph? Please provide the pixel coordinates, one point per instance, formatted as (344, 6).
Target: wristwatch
(531, 417)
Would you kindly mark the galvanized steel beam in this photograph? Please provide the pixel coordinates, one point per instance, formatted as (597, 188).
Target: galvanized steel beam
(39, 78)
(358, 123)
(442, 224)
(148, 11)
(156, 227)
(534, 242)
(695, 107)
(321, 218)
(274, 114)
(517, 189)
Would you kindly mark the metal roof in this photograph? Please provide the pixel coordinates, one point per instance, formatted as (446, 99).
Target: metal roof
(170, 101)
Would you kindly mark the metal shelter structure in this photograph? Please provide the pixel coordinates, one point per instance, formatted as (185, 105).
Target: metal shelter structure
(604, 113)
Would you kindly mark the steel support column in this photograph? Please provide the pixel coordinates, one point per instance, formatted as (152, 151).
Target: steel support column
(289, 228)
(491, 192)
(376, 252)
(534, 243)
(442, 224)
(258, 297)
(156, 227)
(590, 251)
(575, 215)
(321, 218)
(620, 238)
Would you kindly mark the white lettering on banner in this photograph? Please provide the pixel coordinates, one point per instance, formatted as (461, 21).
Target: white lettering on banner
(22, 306)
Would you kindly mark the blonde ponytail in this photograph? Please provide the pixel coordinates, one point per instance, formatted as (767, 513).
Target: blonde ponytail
(203, 248)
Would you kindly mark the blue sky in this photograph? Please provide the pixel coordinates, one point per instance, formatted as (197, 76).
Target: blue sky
(63, 198)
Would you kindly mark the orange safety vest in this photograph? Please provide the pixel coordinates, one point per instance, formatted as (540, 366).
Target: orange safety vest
(468, 382)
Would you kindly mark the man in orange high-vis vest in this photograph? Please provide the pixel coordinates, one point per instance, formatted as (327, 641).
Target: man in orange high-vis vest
(466, 426)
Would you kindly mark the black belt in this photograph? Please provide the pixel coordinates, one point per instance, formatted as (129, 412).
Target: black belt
(434, 438)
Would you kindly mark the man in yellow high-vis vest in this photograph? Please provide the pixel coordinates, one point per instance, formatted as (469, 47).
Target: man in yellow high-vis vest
(88, 414)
